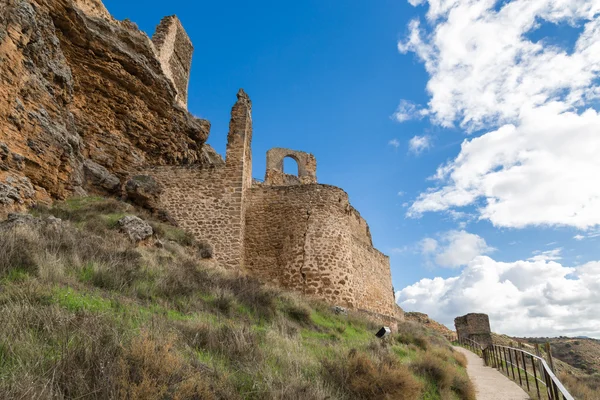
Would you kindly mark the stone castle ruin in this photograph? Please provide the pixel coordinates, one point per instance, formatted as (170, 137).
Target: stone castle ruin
(121, 125)
(474, 326)
(289, 230)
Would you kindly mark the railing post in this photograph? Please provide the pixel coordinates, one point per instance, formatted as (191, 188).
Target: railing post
(518, 370)
(549, 352)
(512, 366)
(537, 385)
(505, 361)
(525, 369)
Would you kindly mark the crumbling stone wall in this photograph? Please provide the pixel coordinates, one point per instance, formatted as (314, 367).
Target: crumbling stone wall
(301, 236)
(307, 167)
(174, 51)
(474, 326)
(209, 201)
(304, 238)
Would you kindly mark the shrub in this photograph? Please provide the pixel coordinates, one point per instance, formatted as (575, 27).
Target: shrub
(435, 367)
(357, 375)
(150, 369)
(18, 250)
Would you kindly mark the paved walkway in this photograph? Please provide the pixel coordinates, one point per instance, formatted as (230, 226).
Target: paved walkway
(489, 383)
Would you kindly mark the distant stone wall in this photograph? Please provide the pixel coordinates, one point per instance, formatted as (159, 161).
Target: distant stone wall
(474, 326)
(174, 51)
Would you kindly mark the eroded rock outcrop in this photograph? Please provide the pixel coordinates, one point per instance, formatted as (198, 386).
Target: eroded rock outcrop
(83, 101)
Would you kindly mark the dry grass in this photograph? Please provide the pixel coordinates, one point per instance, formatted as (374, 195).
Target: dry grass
(362, 378)
(439, 367)
(581, 387)
(84, 313)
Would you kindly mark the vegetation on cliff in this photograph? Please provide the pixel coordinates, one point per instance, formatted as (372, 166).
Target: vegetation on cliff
(86, 313)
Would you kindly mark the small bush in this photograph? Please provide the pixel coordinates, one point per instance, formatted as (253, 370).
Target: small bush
(460, 358)
(151, 369)
(358, 376)
(435, 369)
(298, 312)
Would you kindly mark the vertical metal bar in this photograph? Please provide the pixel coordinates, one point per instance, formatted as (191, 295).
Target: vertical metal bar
(505, 361)
(537, 385)
(525, 369)
(518, 369)
(512, 366)
(548, 385)
(556, 393)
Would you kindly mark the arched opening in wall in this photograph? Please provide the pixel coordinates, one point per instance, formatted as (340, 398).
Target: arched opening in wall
(290, 166)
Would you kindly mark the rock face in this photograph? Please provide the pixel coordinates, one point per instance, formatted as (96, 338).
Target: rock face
(84, 100)
(136, 228)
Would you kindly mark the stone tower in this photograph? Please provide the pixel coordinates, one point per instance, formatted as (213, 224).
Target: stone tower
(174, 50)
(475, 327)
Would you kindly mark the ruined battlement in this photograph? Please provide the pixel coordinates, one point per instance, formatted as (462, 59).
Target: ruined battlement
(275, 176)
(174, 50)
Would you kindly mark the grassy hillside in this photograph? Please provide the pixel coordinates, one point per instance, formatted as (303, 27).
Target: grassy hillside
(85, 313)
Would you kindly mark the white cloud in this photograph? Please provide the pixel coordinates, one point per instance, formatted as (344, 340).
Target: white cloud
(548, 255)
(401, 193)
(419, 143)
(394, 143)
(454, 249)
(535, 165)
(428, 245)
(407, 110)
(578, 237)
(522, 298)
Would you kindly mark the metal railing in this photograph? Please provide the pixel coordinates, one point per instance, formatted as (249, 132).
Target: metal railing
(530, 370)
(471, 345)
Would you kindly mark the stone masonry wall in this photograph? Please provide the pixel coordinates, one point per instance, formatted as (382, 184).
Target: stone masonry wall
(204, 203)
(474, 326)
(174, 51)
(305, 238)
(209, 202)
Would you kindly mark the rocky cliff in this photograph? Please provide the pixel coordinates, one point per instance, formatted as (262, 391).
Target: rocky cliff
(83, 100)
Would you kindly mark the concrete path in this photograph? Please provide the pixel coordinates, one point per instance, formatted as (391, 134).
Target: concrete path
(489, 383)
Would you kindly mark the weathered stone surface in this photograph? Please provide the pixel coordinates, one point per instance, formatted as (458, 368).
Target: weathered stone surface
(174, 49)
(8, 194)
(100, 178)
(474, 326)
(75, 84)
(205, 250)
(136, 228)
(307, 168)
(339, 310)
(144, 191)
(17, 219)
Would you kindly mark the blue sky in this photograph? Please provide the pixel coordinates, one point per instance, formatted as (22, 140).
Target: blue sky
(328, 77)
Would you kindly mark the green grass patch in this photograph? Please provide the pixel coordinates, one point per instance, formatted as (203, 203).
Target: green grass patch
(15, 275)
(75, 301)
